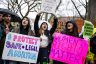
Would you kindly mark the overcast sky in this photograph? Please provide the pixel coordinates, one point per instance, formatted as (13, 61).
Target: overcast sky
(66, 9)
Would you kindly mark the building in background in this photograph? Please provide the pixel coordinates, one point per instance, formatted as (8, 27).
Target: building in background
(62, 21)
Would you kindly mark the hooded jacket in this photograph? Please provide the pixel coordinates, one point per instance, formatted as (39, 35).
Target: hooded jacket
(75, 29)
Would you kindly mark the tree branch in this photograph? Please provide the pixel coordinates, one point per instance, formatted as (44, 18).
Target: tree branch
(84, 5)
(20, 10)
(59, 4)
(33, 6)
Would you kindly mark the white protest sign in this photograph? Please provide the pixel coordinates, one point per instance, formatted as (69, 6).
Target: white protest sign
(49, 6)
(20, 47)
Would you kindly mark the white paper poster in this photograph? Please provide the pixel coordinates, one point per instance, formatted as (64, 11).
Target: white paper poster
(20, 47)
(49, 6)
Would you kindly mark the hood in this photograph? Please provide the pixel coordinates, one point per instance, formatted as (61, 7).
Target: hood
(41, 21)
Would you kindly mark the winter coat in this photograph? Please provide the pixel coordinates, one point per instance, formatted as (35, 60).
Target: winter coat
(2, 42)
(93, 44)
(48, 33)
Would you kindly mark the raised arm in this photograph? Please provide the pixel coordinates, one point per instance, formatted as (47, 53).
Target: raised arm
(54, 26)
(36, 28)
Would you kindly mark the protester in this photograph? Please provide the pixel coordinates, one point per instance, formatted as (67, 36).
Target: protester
(45, 35)
(24, 29)
(1, 34)
(70, 29)
(7, 27)
(93, 46)
(89, 58)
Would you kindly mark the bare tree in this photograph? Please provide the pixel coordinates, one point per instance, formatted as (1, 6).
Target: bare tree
(82, 3)
(19, 6)
(90, 9)
(24, 7)
(67, 9)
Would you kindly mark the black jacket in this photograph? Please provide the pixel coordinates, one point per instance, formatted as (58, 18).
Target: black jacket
(2, 41)
(93, 44)
(48, 33)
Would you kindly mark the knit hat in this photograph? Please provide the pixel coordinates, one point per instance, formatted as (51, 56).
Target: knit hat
(42, 21)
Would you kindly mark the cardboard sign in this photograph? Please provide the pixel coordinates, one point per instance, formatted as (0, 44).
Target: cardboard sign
(49, 6)
(68, 49)
(21, 48)
(88, 29)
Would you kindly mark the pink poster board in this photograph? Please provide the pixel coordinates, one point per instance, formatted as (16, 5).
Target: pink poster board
(68, 49)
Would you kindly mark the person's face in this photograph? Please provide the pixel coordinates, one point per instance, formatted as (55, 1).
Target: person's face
(7, 18)
(70, 26)
(44, 26)
(1, 17)
(25, 22)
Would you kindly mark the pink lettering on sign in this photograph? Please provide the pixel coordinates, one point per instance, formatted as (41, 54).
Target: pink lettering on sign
(68, 49)
(25, 39)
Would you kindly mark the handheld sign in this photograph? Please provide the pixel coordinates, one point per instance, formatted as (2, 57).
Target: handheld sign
(20, 47)
(49, 6)
(94, 30)
(88, 29)
(68, 49)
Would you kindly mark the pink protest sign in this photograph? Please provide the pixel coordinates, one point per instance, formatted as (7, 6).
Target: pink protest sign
(68, 49)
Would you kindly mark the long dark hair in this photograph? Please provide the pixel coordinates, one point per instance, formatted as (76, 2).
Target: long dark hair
(28, 26)
(75, 29)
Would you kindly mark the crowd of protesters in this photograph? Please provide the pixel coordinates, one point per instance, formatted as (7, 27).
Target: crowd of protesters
(46, 36)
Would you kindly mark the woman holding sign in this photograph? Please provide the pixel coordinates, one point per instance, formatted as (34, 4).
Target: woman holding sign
(45, 34)
(24, 29)
(70, 29)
